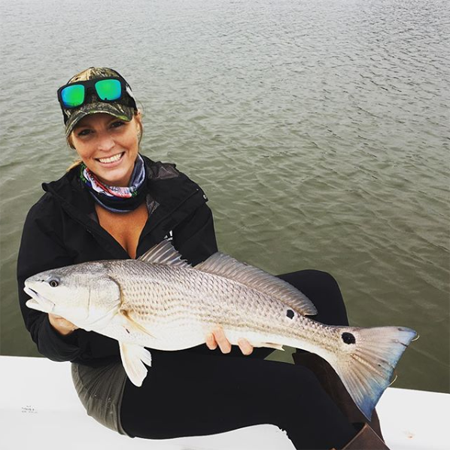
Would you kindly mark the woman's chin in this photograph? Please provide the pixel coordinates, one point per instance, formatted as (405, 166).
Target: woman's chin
(118, 177)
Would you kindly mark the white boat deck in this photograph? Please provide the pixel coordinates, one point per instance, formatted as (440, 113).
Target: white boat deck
(40, 409)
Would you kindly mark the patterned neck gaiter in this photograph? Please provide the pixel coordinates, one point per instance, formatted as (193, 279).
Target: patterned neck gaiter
(114, 198)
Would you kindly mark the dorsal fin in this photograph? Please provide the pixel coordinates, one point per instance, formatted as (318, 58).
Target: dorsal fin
(228, 267)
(164, 253)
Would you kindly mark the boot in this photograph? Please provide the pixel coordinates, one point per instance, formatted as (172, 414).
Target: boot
(366, 439)
(334, 387)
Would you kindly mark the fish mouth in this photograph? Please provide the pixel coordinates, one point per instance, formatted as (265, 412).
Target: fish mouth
(38, 302)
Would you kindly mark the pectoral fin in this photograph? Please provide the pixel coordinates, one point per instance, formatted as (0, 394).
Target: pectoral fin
(131, 325)
(134, 357)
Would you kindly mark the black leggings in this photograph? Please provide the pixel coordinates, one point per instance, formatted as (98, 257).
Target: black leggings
(198, 391)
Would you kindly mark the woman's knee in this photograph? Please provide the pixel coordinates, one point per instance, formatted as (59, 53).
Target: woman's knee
(311, 279)
(323, 290)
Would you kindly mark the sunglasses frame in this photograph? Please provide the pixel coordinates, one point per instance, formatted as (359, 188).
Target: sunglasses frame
(89, 88)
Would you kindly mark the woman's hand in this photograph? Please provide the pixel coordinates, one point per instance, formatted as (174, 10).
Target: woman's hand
(61, 325)
(218, 338)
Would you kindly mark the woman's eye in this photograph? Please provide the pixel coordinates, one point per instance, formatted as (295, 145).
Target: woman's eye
(84, 132)
(117, 124)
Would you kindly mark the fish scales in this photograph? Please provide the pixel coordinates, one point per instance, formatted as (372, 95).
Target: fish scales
(159, 301)
(162, 297)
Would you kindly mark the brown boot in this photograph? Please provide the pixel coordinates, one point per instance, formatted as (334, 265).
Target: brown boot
(366, 439)
(334, 387)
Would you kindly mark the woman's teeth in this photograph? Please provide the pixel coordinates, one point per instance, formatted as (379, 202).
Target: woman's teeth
(111, 159)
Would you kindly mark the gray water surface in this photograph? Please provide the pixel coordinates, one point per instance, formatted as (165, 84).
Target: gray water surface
(318, 128)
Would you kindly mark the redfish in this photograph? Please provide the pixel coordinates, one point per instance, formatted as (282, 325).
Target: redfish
(159, 301)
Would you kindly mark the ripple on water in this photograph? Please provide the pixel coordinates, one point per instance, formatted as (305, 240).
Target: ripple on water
(319, 131)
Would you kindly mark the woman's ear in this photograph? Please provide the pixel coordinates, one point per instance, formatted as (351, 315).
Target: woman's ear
(138, 120)
(138, 116)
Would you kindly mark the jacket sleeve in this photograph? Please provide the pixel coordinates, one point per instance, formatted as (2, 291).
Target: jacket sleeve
(39, 251)
(195, 237)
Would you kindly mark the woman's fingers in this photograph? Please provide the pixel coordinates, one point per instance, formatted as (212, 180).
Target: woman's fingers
(245, 346)
(222, 341)
(211, 341)
(218, 339)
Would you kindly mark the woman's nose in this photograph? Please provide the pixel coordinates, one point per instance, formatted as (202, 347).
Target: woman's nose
(105, 142)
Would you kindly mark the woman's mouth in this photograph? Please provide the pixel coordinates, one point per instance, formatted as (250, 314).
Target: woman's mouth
(111, 159)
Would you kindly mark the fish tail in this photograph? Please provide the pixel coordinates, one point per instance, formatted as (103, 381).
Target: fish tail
(367, 359)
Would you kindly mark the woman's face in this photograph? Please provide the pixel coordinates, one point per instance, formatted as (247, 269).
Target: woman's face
(108, 146)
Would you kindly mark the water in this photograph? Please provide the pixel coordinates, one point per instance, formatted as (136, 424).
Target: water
(318, 129)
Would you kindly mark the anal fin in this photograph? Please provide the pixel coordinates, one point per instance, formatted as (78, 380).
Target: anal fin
(272, 345)
(267, 345)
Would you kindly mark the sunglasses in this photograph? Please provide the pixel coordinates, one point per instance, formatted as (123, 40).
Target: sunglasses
(107, 90)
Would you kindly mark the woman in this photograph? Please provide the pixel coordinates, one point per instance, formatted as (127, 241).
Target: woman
(116, 204)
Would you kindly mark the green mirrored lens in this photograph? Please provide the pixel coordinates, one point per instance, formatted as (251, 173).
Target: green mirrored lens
(73, 96)
(108, 89)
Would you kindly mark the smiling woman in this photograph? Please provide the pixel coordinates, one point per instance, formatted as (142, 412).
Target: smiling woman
(108, 146)
(117, 204)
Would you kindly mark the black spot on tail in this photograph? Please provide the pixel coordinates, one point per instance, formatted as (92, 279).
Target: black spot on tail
(290, 313)
(348, 338)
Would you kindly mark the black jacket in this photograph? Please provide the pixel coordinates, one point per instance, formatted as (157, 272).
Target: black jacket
(62, 229)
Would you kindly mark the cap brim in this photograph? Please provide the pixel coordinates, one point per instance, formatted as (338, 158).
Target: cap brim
(122, 112)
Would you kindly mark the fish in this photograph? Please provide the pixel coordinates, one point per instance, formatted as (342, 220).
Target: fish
(160, 301)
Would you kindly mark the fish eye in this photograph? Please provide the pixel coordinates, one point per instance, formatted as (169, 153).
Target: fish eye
(53, 282)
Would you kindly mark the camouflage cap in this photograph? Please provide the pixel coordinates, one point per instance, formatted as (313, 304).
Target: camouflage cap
(123, 109)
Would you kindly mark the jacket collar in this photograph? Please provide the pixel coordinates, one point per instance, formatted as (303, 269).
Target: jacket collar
(70, 191)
